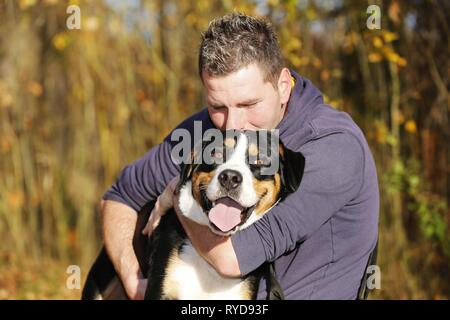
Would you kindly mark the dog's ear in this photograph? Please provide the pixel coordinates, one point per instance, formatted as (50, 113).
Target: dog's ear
(186, 171)
(292, 165)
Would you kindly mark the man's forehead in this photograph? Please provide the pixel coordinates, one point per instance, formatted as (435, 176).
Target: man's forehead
(241, 82)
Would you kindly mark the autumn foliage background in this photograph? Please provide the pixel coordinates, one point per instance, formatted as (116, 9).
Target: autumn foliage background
(76, 106)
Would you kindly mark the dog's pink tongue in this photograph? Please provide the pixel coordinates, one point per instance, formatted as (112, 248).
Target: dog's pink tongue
(226, 214)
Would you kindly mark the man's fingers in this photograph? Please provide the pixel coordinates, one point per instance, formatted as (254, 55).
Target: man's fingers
(173, 184)
(142, 287)
(163, 204)
(152, 223)
(146, 230)
(136, 289)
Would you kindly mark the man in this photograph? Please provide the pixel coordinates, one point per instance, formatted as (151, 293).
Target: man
(321, 236)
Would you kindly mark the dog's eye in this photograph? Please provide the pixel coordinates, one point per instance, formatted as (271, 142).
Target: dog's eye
(261, 162)
(217, 154)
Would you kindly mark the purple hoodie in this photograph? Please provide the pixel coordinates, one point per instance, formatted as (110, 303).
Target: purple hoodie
(320, 237)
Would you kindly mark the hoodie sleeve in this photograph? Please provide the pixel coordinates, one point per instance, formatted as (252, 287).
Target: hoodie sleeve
(333, 175)
(144, 179)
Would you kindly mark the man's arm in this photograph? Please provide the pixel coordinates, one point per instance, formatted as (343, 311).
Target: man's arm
(119, 221)
(138, 183)
(333, 176)
(217, 250)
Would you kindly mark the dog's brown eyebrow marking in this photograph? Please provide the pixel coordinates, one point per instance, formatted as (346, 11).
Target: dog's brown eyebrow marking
(253, 149)
(229, 142)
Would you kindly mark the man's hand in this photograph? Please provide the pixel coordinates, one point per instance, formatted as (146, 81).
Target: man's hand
(217, 250)
(164, 202)
(135, 287)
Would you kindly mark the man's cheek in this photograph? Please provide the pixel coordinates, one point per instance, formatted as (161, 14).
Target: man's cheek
(258, 119)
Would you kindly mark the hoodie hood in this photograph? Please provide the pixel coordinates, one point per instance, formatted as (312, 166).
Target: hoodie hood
(308, 118)
(305, 98)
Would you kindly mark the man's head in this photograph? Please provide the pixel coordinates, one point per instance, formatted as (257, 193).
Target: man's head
(241, 67)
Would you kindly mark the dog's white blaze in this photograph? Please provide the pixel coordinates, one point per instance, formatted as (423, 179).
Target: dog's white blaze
(196, 279)
(189, 206)
(248, 196)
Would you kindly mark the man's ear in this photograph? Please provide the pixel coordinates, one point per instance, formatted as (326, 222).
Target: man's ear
(285, 85)
(292, 165)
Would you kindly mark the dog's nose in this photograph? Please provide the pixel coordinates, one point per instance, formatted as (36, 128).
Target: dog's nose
(230, 179)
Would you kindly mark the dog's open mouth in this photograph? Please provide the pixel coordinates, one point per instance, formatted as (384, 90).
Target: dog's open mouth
(226, 214)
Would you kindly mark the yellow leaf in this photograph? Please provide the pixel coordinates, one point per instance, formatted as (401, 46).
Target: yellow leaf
(6, 100)
(15, 199)
(410, 126)
(72, 238)
(25, 4)
(381, 132)
(35, 88)
(324, 75)
(294, 44)
(298, 61)
(402, 62)
(377, 42)
(5, 145)
(60, 41)
(389, 36)
(295, 60)
(191, 19)
(394, 12)
(391, 56)
(317, 63)
(375, 57)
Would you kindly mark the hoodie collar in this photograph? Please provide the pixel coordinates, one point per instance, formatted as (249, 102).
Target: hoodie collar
(304, 97)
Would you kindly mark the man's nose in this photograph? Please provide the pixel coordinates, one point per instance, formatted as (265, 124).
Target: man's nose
(235, 120)
(230, 179)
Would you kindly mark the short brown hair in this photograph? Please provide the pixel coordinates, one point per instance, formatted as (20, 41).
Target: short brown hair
(237, 40)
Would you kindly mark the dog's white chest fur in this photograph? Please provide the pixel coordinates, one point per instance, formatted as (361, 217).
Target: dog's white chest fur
(191, 277)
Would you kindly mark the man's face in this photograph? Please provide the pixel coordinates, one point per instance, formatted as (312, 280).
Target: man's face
(244, 101)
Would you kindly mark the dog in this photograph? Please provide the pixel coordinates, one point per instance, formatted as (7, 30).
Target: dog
(227, 185)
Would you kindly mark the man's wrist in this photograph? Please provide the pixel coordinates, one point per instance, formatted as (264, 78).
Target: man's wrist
(129, 268)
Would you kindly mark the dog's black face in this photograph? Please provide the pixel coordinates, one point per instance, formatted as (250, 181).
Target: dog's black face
(234, 182)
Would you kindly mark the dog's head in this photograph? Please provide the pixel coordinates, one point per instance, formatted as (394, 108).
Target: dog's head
(230, 184)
